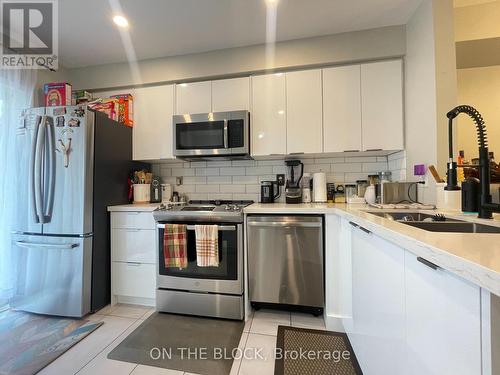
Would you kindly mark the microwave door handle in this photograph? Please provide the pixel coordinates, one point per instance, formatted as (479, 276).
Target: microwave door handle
(226, 143)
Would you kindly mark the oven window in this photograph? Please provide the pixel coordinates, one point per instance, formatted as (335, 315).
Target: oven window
(200, 135)
(228, 258)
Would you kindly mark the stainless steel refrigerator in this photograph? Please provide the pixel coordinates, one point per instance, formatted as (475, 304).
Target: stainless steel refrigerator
(71, 164)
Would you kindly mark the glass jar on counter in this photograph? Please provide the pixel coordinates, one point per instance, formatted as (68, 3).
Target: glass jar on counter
(351, 191)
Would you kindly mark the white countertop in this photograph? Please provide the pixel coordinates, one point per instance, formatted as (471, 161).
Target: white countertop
(473, 256)
(142, 207)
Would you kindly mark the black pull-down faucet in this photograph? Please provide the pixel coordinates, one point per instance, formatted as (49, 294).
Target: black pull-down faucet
(486, 207)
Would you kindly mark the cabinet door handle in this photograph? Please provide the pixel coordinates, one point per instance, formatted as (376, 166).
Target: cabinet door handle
(296, 153)
(350, 151)
(133, 264)
(428, 264)
(365, 230)
(354, 224)
(374, 149)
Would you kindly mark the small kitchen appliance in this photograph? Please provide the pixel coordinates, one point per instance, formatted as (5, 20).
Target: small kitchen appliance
(293, 190)
(269, 191)
(155, 196)
(306, 188)
(214, 135)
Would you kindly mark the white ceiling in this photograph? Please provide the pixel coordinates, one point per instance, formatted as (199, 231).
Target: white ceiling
(161, 28)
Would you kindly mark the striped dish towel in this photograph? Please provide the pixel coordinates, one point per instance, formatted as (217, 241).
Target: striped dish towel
(174, 246)
(207, 245)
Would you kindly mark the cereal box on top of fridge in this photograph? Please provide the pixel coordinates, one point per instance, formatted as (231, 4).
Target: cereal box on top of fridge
(57, 94)
(125, 110)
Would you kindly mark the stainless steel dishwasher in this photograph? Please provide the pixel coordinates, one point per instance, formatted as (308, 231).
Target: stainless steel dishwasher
(285, 260)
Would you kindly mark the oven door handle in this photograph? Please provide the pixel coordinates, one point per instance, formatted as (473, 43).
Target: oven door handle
(221, 228)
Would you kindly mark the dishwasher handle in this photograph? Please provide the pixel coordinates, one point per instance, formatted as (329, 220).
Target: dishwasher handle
(284, 224)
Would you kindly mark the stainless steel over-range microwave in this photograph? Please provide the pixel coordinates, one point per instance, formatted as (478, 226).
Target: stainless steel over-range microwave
(209, 135)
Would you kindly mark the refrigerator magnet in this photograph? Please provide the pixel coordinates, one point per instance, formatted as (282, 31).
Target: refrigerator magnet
(60, 121)
(74, 122)
(59, 111)
(78, 112)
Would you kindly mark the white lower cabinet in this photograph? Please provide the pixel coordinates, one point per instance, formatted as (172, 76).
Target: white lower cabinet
(133, 258)
(378, 307)
(405, 315)
(443, 321)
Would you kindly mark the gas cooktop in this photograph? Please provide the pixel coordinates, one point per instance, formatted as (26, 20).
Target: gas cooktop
(202, 211)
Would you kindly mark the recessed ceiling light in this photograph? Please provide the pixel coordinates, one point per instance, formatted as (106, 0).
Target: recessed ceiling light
(271, 2)
(120, 21)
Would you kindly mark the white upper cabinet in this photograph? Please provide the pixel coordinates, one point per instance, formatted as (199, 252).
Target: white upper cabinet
(382, 105)
(231, 94)
(152, 132)
(342, 109)
(443, 321)
(304, 112)
(268, 124)
(193, 97)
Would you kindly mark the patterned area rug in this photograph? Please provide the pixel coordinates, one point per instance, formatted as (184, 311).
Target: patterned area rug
(306, 351)
(29, 342)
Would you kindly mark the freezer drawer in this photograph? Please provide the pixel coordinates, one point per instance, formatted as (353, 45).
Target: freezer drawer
(53, 275)
(285, 260)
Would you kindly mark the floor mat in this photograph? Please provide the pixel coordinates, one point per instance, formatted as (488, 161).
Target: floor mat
(307, 351)
(185, 343)
(29, 342)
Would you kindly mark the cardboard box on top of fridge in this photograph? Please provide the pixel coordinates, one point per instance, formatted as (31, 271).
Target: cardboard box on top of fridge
(80, 97)
(108, 106)
(125, 109)
(57, 94)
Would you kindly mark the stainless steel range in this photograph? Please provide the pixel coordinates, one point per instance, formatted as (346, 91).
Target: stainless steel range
(205, 291)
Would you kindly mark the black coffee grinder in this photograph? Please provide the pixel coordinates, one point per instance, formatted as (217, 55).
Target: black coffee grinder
(293, 190)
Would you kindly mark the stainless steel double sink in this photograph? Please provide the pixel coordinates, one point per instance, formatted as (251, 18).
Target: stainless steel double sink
(426, 222)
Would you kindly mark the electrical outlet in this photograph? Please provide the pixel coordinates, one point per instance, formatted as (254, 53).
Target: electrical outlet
(281, 179)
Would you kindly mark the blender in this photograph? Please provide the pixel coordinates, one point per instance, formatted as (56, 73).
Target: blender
(293, 190)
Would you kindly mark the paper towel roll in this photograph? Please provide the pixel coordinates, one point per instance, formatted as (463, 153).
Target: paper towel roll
(319, 187)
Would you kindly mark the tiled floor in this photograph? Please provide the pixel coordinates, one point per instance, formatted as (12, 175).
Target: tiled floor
(89, 356)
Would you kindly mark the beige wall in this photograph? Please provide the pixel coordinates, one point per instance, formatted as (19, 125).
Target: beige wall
(479, 21)
(332, 49)
(479, 87)
(430, 82)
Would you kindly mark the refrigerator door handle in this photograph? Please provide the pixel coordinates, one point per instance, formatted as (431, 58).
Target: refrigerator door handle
(31, 182)
(66, 246)
(38, 164)
(50, 171)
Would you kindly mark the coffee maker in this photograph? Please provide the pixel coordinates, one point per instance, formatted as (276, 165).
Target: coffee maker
(293, 190)
(269, 191)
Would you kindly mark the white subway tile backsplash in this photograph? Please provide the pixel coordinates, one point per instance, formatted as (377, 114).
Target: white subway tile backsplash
(207, 171)
(255, 189)
(199, 164)
(194, 180)
(279, 169)
(245, 180)
(256, 171)
(219, 180)
(374, 167)
(232, 171)
(240, 179)
(313, 168)
(207, 188)
(346, 167)
(182, 172)
(361, 159)
(243, 163)
(217, 164)
(232, 189)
